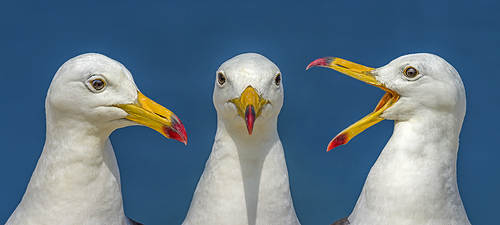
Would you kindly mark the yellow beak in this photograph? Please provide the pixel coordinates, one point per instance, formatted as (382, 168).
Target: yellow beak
(151, 114)
(362, 73)
(249, 106)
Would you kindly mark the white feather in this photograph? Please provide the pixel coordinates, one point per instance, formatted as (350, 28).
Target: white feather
(245, 180)
(76, 179)
(414, 179)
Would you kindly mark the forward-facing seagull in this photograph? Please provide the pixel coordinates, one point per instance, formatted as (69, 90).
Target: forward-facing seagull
(76, 180)
(414, 179)
(245, 179)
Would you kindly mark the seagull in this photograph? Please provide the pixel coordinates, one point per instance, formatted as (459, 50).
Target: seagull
(414, 179)
(245, 180)
(76, 179)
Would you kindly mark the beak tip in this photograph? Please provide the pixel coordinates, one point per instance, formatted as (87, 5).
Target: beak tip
(177, 131)
(250, 118)
(340, 139)
(325, 61)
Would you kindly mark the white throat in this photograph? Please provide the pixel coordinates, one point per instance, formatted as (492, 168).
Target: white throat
(76, 180)
(245, 180)
(414, 179)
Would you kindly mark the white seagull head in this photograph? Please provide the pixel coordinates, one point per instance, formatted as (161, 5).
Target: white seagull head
(248, 92)
(94, 89)
(425, 83)
(416, 85)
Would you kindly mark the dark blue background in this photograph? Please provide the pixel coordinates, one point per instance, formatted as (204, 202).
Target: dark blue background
(173, 49)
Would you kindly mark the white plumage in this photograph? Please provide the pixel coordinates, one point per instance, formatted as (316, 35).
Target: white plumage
(76, 180)
(245, 180)
(414, 179)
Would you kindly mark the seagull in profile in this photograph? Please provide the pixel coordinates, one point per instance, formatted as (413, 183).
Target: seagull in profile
(76, 179)
(414, 179)
(245, 180)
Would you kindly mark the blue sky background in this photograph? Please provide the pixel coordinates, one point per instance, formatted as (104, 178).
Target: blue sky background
(173, 49)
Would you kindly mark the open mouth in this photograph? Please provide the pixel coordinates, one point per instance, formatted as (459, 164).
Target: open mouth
(364, 74)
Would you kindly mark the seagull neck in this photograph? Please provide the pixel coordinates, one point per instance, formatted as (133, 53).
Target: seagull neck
(245, 180)
(76, 174)
(416, 172)
(76, 139)
(254, 147)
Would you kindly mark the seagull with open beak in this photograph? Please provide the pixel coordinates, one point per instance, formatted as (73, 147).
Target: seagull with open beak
(414, 180)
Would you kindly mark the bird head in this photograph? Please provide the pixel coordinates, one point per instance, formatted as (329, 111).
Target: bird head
(415, 85)
(92, 88)
(248, 91)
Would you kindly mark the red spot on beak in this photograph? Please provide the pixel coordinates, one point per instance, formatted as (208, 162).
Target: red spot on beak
(320, 62)
(250, 118)
(339, 140)
(177, 131)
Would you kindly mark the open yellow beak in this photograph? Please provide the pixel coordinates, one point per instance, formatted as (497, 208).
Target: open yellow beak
(249, 106)
(151, 114)
(362, 73)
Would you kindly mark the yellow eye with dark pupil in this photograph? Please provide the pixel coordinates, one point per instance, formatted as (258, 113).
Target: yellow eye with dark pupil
(221, 78)
(411, 72)
(277, 80)
(98, 84)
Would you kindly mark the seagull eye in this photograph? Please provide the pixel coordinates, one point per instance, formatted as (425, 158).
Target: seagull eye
(98, 84)
(221, 78)
(411, 72)
(277, 79)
